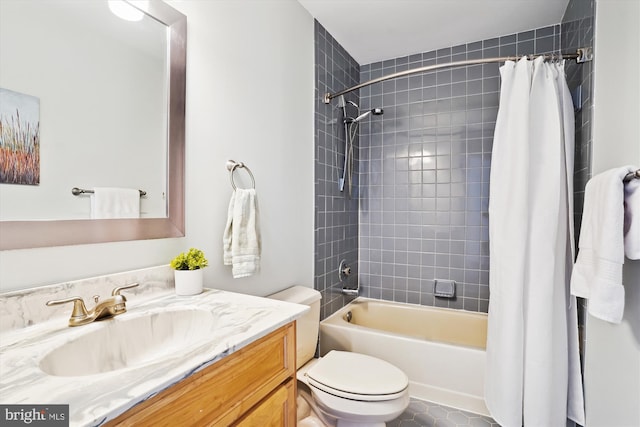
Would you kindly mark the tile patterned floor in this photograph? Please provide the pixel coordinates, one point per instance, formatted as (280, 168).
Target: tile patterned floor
(427, 414)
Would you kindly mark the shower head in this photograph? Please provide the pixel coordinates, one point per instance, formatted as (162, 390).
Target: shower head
(375, 112)
(342, 103)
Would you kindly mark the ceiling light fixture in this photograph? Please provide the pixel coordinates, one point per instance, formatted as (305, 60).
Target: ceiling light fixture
(125, 10)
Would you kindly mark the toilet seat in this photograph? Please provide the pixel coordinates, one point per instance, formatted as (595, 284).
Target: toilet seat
(357, 411)
(357, 376)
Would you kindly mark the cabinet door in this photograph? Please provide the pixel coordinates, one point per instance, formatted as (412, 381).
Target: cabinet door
(222, 393)
(276, 410)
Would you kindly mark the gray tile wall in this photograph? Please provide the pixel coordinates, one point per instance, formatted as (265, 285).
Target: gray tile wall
(424, 170)
(336, 216)
(424, 166)
(577, 31)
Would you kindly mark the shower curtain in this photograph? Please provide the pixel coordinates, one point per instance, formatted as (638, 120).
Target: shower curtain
(533, 368)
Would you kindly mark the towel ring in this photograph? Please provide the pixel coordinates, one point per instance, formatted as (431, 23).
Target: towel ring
(232, 166)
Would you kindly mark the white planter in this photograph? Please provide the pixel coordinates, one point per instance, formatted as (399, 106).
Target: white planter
(189, 282)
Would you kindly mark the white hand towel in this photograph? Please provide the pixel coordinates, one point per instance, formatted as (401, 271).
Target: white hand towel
(115, 203)
(632, 219)
(597, 274)
(241, 239)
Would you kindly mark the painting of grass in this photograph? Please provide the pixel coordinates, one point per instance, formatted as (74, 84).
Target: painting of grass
(19, 138)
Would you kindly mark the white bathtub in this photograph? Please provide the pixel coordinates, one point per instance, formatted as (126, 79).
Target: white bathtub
(442, 351)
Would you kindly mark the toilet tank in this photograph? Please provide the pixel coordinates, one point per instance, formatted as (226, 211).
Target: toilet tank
(307, 325)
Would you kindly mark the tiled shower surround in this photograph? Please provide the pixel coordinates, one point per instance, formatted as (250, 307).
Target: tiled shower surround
(336, 216)
(577, 31)
(423, 170)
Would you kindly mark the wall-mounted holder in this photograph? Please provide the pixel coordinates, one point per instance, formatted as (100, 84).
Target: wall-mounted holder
(585, 54)
(232, 165)
(444, 288)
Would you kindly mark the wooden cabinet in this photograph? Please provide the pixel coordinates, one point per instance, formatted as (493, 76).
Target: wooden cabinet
(255, 386)
(277, 409)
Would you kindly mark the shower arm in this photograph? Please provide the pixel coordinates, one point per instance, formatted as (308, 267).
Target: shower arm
(583, 54)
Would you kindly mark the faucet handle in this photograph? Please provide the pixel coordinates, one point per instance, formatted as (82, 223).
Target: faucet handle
(117, 290)
(79, 309)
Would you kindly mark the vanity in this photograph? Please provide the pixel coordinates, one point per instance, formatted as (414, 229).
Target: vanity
(218, 358)
(254, 387)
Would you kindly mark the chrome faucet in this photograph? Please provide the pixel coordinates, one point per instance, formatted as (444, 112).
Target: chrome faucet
(102, 310)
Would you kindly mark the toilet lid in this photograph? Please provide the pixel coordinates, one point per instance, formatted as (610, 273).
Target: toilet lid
(357, 376)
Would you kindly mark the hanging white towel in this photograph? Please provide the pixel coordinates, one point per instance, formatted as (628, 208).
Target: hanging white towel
(597, 274)
(632, 219)
(109, 203)
(241, 239)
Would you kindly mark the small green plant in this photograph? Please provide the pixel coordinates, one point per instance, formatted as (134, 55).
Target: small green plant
(192, 260)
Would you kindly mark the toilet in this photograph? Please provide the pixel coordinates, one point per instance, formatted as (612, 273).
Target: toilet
(342, 389)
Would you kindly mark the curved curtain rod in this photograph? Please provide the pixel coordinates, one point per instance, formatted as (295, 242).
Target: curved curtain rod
(583, 54)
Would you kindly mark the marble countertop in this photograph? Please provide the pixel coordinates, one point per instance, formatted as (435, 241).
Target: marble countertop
(94, 399)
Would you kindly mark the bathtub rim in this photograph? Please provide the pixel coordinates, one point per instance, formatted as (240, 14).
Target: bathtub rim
(409, 304)
(337, 319)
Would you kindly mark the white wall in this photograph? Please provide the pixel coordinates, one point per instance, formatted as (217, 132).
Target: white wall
(612, 358)
(250, 83)
(250, 88)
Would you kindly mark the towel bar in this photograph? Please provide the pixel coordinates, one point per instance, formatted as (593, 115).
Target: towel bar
(232, 165)
(632, 175)
(77, 191)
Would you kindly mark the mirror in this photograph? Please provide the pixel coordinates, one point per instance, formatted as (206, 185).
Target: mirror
(149, 130)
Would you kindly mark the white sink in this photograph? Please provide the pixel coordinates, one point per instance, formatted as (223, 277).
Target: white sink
(131, 340)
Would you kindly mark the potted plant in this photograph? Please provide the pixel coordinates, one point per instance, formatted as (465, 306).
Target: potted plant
(188, 268)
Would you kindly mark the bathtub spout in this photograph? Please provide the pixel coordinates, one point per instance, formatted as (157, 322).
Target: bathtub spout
(351, 292)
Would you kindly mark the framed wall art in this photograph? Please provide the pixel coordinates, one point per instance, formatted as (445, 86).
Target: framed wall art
(19, 138)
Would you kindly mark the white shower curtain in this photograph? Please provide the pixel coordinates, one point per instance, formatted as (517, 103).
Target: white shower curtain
(533, 369)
